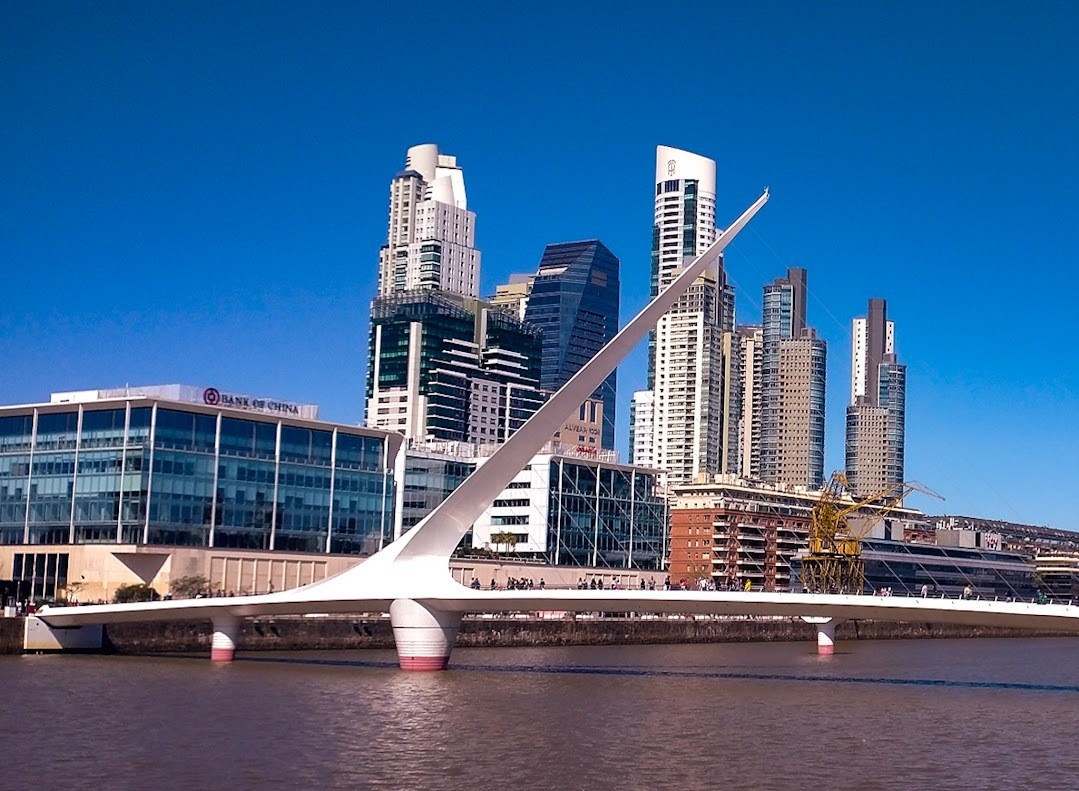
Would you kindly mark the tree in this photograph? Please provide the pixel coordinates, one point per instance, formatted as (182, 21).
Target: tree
(71, 590)
(505, 538)
(138, 591)
(190, 586)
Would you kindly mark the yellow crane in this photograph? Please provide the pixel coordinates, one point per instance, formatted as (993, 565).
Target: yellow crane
(833, 563)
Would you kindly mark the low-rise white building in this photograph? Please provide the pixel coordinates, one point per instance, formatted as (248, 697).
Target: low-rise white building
(574, 505)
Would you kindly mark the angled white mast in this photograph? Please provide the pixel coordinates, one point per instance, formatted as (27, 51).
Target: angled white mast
(438, 534)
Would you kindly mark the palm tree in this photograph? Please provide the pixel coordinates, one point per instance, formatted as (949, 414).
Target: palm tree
(506, 538)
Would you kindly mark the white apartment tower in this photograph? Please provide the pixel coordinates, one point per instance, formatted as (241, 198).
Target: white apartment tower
(861, 354)
(641, 429)
(686, 348)
(431, 240)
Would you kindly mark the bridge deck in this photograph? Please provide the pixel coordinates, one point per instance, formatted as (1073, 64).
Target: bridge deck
(1062, 617)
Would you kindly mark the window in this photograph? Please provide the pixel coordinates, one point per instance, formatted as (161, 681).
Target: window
(516, 503)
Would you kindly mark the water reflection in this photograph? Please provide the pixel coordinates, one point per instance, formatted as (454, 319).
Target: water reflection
(911, 714)
(660, 673)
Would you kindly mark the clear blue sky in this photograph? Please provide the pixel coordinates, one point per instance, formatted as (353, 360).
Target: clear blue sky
(196, 192)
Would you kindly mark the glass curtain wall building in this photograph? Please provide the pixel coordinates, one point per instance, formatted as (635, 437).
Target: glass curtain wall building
(141, 470)
(429, 478)
(605, 516)
(573, 511)
(446, 367)
(906, 567)
(574, 300)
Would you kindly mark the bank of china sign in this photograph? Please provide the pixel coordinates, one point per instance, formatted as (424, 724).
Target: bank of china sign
(214, 397)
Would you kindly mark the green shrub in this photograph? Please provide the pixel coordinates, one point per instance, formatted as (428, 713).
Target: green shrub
(189, 587)
(138, 591)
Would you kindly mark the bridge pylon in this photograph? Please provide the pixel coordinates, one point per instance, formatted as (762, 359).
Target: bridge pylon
(825, 633)
(424, 634)
(226, 635)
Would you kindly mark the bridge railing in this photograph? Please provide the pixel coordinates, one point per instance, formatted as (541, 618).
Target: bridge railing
(908, 594)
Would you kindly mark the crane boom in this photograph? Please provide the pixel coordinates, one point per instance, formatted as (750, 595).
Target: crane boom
(833, 561)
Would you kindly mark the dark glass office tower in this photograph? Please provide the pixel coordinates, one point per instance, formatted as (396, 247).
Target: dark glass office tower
(574, 301)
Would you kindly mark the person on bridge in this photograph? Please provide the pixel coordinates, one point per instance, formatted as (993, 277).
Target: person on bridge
(967, 592)
(925, 591)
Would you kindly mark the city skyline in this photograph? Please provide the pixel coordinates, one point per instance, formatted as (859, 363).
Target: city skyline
(193, 231)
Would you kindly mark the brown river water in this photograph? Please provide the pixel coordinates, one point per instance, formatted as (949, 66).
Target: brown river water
(917, 714)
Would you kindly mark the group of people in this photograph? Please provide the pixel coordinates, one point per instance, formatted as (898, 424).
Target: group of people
(512, 584)
(708, 584)
(596, 583)
(23, 606)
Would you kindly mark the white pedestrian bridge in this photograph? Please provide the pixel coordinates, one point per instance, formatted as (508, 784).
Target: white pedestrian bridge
(410, 578)
(425, 622)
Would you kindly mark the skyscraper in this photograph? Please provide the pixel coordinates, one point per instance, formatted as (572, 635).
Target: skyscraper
(432, 234)
(574, 302)
(792, 377)
(443, 365)
(876, 418)
(447, 367)
(799, 458)
(685, 360)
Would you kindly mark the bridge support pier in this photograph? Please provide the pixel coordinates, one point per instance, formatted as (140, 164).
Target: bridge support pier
(825, 633)
(226, 635)
(424, 635)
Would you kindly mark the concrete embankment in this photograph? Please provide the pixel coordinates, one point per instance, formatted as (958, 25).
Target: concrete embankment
(11, 632)
(302, 634)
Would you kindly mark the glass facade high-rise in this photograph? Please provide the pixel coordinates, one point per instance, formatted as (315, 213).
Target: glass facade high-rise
(141, 470)
(574, 301)
(446, 367)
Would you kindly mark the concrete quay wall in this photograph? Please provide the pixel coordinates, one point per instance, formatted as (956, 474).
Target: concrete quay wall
(301, 634)
(350, 632)
(11, 634)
